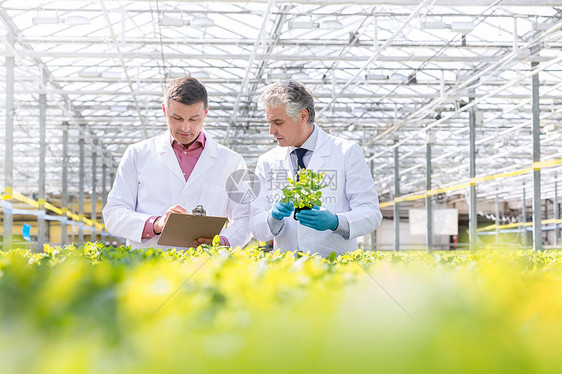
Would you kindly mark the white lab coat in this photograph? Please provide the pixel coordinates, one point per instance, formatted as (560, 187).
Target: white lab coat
(149, 180)
(351, 193)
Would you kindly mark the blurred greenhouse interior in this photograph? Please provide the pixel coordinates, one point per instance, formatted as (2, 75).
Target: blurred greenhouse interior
(457, 105)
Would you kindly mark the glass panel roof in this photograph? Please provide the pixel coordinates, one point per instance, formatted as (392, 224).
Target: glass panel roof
(384, 74)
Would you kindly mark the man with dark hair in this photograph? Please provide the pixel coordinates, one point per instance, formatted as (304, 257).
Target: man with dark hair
(176, 172)
(350, 206)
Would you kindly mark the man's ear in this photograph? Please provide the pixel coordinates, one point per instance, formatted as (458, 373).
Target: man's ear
(304, 115)
(164, 109)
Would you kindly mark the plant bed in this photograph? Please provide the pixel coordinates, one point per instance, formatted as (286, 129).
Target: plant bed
(95, 309)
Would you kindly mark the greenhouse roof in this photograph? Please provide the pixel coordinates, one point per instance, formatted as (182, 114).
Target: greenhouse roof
(387, 74)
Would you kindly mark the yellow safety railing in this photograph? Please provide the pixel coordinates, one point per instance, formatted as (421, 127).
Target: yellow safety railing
(473, 182)
(9, 194)
(519, 224)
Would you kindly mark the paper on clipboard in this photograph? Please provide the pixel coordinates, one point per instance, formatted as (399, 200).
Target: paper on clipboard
(182, 229)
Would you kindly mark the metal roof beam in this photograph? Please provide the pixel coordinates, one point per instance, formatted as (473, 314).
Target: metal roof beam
(124, 66)
(259, 44)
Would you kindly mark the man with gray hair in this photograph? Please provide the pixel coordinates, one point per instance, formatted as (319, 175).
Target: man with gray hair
(350, 206)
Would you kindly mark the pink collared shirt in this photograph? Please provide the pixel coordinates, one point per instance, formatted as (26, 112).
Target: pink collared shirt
(187, 158)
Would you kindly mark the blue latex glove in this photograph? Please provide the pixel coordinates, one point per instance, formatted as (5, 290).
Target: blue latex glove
(318, 219)
(281, 210)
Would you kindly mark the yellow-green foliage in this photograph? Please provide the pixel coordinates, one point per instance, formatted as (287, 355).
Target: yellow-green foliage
(305, 192)
(213, 310)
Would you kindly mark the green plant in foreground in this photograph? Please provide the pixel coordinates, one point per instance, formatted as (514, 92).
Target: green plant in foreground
(213, 309)
(305, 192)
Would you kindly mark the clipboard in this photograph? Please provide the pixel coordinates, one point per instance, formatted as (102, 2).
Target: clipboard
(182, 229)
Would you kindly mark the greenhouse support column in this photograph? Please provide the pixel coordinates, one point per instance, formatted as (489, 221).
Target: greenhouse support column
(537, 214)
(497, 221)
(472, 171)
(64, 197)
(396, 204)
(556, 214)
(94, 213)
(373, 233)
(428, 210)
(111, 180)
(103, 189)
(524, 218)
(9, 144)
(81, 188)
(41, 223)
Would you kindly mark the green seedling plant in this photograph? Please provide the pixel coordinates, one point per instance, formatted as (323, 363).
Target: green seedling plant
(151, 310)
(304, 192)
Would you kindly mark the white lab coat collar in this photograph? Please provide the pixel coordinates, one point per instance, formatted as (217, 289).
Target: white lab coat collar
(310, 143)
(317, 160)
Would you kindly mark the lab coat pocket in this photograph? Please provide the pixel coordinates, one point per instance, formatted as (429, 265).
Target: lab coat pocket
(214, 199)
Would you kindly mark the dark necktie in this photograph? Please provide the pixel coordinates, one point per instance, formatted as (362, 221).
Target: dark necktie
(300, 152)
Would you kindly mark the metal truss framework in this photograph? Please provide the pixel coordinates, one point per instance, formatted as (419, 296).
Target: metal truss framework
(386, 74)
